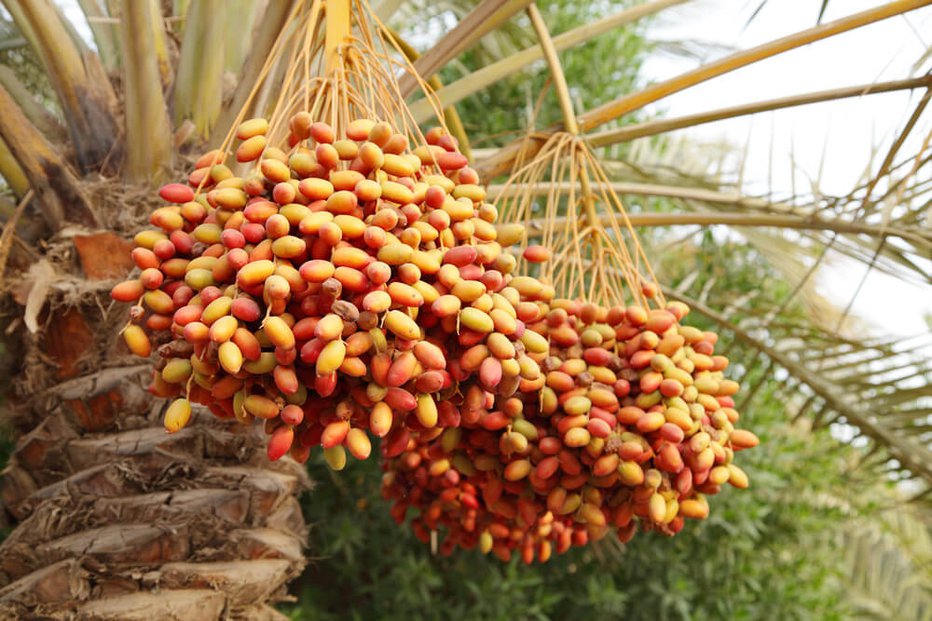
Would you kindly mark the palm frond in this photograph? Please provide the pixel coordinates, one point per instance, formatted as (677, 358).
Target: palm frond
(60, 195)
(84, 92)
(149, 145)
(199, 82)
(486, 17)
(635, 101)
(905, 441)
(482, 78)
(626, 104)
(889, 561)
(268, 31)
(661, 126)
(11, 172)
(106, 35)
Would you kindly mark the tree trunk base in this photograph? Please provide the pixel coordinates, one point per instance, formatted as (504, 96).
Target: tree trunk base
(114, 518)
(134, 523)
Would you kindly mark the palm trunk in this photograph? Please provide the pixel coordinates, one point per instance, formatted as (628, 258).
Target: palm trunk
(114, 519)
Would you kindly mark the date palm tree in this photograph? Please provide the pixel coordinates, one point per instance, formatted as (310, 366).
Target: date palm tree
(112, 519)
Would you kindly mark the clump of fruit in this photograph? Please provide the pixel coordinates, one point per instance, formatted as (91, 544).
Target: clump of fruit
(356, 288)
(634, 427)
(349, 286)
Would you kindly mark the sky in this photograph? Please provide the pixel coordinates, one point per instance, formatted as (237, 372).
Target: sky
(848, 131)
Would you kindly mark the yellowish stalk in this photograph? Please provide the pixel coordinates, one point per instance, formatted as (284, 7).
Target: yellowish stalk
(338, 28)
(556, 69)
(11, 171)
(660, 126)
(600, 286)
(199, 81)
(148, 150)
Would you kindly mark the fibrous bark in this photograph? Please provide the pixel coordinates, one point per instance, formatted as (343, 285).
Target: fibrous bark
(114, 518)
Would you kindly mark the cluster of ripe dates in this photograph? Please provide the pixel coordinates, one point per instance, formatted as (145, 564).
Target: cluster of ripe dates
(635, 426)
(356, 287)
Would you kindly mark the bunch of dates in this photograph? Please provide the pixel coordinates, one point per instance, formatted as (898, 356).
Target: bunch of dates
(339, 291)
(357, 288)
(635, 426)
